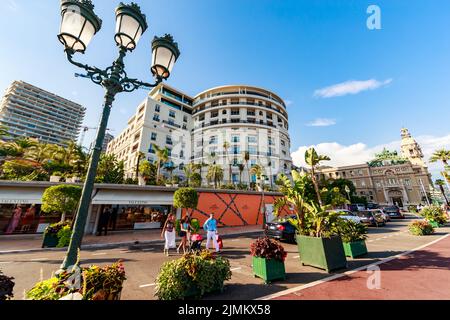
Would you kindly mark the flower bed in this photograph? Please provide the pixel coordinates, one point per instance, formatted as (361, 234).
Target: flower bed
(92, 283)
(421, 228)
(192, 276)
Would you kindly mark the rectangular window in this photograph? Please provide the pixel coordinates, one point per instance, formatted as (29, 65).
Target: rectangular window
(151, 150)
(156, 117)
(251, 139)
(154, 135)
(157, 108)
(185, 119)
(236, 150)
(172, 114)
(214, 114)
(252, 150)
(169, 140)
(224, 111)
(213, 140)
(235, 112)
(235, 139)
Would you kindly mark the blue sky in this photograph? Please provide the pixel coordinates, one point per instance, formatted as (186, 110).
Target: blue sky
(299, 49)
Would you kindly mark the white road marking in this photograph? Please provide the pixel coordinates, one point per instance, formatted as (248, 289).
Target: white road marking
(149, 249)
(234, 240)
(99, 254)
(147, 285)
(39, 259)
(6, 262)
(234, 269)
(295, 257)
(339, 275)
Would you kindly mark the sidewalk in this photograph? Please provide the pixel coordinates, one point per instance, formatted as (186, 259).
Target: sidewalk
(418, 275)
(30, 243)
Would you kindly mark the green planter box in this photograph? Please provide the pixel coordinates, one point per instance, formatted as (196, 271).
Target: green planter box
(269, 270)
(322, 253)
(355, 249)
(50, 240)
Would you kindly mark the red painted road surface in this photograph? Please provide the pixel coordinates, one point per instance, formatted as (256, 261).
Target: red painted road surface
(423, 274)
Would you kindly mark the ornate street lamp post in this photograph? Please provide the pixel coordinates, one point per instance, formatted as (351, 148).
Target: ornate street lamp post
(262, 181)
(78, 26)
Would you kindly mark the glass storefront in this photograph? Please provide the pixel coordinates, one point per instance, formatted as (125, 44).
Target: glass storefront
(24, 219)
(134, 217)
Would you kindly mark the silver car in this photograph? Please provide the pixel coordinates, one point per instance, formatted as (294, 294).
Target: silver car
(348, 215)
(385, 216)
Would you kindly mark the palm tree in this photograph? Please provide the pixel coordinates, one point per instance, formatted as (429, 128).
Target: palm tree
(226, 145)
(189, 170)
(140, 156)
(18, 147)
(313, 160)
(258, 171)
(215, 174)
(241, 170)
(246, 158)
(40, 152)
(441, 155)
(440, 183)
(163, 156)
(3, 131)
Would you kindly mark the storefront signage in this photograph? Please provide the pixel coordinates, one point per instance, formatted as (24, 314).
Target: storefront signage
(18, 201)
(137, 202)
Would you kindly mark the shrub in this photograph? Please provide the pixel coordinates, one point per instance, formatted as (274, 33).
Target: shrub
(195, 180)
(64, 236)
(193, 275)
(434, 213)
(421, 228)
(195, 225)
(55, 228)
(186, 198)
(96, 283)
(6, 287)
(62, 199)
(267, 248)
(412, 208)
(351, 231)
(228, 187)
(241, 186)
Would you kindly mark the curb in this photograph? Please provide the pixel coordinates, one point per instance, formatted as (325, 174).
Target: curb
(111, 245)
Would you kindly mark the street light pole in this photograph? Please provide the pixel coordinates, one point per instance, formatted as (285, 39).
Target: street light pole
(79, 25)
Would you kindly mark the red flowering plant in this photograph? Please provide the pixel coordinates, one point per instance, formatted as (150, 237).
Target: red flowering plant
(268, 249)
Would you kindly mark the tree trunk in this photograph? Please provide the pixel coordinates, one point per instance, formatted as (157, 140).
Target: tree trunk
(63, 217)
(443, 193)
(316, 186)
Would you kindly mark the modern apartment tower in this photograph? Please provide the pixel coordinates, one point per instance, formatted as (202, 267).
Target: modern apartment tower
(28, 111)
(217, 126)
(163, 119)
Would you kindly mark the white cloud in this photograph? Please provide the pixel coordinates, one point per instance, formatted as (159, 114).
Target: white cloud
(322, 122)
(350, 87)
(288, 102)
(358, 153)
(12, 5)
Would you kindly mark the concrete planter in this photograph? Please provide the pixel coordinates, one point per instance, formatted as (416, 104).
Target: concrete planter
(322, 253)
(55, 178)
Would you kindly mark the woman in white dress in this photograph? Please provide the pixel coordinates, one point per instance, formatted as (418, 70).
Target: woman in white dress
(169, 234)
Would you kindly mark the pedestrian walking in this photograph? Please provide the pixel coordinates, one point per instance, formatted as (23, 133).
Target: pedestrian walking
(210, 226)
(103, 221)
(184, 230)
(168, 232)
(113, 218)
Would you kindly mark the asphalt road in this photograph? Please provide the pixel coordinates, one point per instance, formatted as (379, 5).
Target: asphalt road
(142, 263)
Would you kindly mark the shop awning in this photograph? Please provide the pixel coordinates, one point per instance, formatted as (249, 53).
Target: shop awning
(127, 197)
(22, 196)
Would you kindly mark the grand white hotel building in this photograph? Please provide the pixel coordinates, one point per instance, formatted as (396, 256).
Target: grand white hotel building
(195, 129)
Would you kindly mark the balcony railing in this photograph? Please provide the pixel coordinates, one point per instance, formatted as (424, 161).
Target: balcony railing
(172, 124)
(234, 121)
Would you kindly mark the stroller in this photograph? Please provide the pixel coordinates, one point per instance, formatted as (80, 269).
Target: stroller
(196, 242)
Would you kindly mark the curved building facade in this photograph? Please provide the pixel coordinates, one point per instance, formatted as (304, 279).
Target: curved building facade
(230, 121)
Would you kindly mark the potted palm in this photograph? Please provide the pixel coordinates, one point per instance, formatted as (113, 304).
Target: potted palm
(268, 259)
(353, 235)
(435, 215)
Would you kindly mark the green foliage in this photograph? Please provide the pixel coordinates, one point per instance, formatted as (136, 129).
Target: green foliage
(421, 228)
(351, 231)
(195, 180)
(193, 275)
(412, 208)
(23, 170)
(130, 181)
(333, 197)
(110, 170)
(62, 199)
(54, 228)
(215, 174)
(97, 283)
(434, 213)
(195, 225)
(186, 198)
(148, 172)
(64, 236)
(268, 249)
(319, 222)
(386, 155)
(6, 287)
(228, 187)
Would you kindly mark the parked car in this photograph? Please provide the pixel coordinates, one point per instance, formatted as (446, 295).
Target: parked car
(386, 217)
(360, 206)
(281, 229)
(348, 215)
(372, 205)
(394, 212)
(371, 218)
